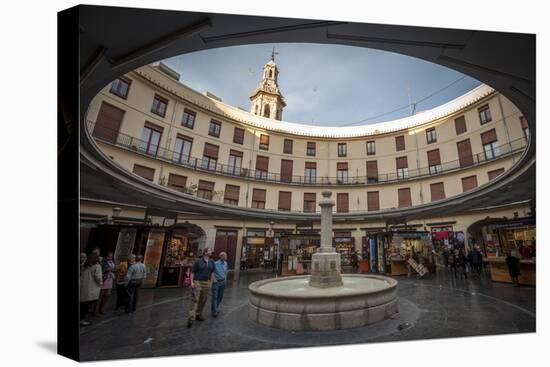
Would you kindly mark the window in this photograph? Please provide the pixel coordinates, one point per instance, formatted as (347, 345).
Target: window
(238, 136)
(210, 157)
(120, 87)
(215, 128)
(150, 138)
(176, 182)
(286, 170)
(159, 105)
(372, 172)
(310, 175)
(460, 125)
(262, 164)
(373, 201)
(258, 198)
(267, 111)
(342, 149)
(404, 198)
(490, 144)
(188, 118)
(145, 172)
(437, 191)
(342, 173)
(182, 149)
(205, 190)
(400, 143)
(311, 149)
(525, 127)
(234, 164)
(465, 156)
(287, 146)
(342, 203)
(484, 114)
(107, 123)
(310, 201)
(495, 173)
(434, 161)
(469, 183)
(402, 166)
(431, 136)
(264, 142)
(371, 148)
(231, 194)
(284, 200)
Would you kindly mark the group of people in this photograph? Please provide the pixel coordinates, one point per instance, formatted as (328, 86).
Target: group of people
(462, 264)
(99, 275)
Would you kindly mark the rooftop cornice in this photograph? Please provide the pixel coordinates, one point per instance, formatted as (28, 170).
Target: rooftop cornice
(230, 112)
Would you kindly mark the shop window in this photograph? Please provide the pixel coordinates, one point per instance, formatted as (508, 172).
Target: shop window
(310, 202)
(120, 87)
(311, 149)
(484, 114)
(264, 142)
(238, 136)
(150, 138)
(258, 198)
(371, 148)
(182, 149)
(287, 146)
(342, 149)
(159, 106)
(431, 136)
(188, 118)
(215, 128)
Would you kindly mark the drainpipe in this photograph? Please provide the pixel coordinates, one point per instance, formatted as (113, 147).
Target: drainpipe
(418, 165)
(168, 137)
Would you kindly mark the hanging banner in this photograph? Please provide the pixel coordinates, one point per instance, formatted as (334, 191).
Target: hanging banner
(125, 244)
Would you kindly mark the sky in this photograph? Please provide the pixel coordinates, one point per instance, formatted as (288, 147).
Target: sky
(324, 85)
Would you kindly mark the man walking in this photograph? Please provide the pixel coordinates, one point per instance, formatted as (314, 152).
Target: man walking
(201, 275)
(134, 277)
(218, 282)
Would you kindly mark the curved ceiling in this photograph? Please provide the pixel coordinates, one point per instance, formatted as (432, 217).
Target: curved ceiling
(126, 39)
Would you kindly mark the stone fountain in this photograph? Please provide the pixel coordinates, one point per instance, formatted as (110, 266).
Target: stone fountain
(326, 299)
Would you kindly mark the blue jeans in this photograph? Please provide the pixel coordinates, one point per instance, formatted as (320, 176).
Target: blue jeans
(217, 295)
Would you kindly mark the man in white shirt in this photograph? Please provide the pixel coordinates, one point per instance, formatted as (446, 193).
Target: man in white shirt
(134, 277)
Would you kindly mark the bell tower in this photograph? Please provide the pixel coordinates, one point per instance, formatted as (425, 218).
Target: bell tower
(267, 99)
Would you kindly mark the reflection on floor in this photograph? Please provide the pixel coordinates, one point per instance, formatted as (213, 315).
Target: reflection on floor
(437, 306)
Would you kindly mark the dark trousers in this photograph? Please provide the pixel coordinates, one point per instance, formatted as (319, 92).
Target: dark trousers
(217, 295)
(477, 268)
(85, 309)
(121, 296)
(132, 290)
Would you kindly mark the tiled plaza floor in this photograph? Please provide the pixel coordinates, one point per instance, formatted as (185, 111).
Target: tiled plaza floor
(435, 307)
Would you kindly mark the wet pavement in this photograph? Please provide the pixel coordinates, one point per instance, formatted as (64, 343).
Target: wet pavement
(437, 306)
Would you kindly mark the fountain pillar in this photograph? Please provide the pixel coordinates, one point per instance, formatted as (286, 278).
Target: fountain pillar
(326, 269)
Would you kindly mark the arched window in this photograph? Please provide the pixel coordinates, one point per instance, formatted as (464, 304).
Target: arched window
(271, 73)
(266, 111)
(256, 110)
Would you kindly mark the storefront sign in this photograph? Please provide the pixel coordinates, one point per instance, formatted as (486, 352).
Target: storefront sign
(524, 222)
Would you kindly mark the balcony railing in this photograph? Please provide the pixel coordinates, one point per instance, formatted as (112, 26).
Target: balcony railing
(206, 165)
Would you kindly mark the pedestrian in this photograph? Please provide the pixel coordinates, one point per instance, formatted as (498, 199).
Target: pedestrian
(219, 278)
(462, 263)
(134, 278)
(445, 257)
(513, 267)
(97, 251)
(476, 260)
(107, 267)
(91, 279)
(452, 261)
(200, 285)
(121, 270)
(354, 260)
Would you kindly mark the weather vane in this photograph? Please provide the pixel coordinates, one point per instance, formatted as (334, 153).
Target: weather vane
(273, 53)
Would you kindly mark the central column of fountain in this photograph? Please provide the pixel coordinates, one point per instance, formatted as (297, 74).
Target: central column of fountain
(326, 268)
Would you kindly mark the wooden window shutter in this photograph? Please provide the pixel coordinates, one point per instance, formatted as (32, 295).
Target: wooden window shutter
(342, 166)
(342, 203)
(287, 146)
(372, 169)
(286, 170)
(437, 191)
(311, 145)
(310, 196)
(460, 125)
(232, 192)
(264, 139)
(495, 173)
(235, 153)
(373, 201)
(489, 137)
(401, 162)
(434, 157)
(465, 156)
(258, 195)
(400, 143)
(311, 165)
(524, 124)
(211, 150)
(145, 172)
(177, 180)
(206, 185)
(262, 163)
(404, 197)
(107, 124)
(469, 183)
(284, 200)
(238, 135)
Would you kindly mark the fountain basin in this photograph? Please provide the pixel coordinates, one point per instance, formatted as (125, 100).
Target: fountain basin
(291, 303)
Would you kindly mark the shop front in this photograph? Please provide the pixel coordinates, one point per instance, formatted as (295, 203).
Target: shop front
(374, 250)
(254, 245)
(404, 243)
(344, 244)
(296, 251)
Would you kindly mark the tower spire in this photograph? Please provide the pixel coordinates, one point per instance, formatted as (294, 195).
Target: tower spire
(267, 100)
